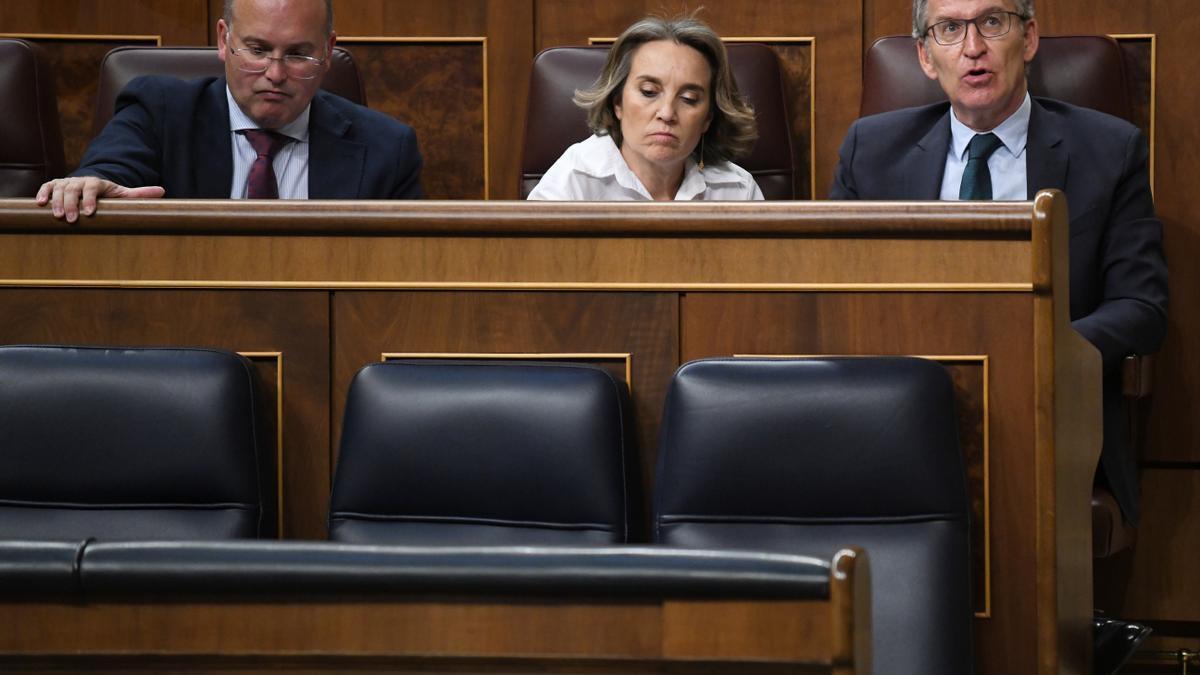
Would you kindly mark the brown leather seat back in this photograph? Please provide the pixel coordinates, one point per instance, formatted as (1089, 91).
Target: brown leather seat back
(553, 122)
(125, 63)
(1085, 70)
(31, 145)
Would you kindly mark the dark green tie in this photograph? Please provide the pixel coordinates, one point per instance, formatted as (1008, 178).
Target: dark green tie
(977, 180)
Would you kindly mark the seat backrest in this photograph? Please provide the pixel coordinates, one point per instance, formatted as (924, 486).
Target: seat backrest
(553, 123)
(128, 444)
(31, 144)
(809, 456)
(449, 453)
(125, 63)
(1085, 70)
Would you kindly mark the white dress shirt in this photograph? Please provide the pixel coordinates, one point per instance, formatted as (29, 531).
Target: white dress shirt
(290, 163)
(1007, 163)
(594, 170)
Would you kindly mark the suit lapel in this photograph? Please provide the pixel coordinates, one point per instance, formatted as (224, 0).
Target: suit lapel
(1046, 159)
(924, 166)
(212, 151)
(335, 163)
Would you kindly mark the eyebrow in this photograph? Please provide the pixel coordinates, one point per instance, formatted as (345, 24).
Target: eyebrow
(288, 48)
(691, 86)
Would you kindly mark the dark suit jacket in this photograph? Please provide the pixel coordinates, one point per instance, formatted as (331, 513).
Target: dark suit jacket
(1118, 274)
(175, 134)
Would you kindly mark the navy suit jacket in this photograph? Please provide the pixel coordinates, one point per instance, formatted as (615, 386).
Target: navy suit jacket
(1118, 273)
(173, 133)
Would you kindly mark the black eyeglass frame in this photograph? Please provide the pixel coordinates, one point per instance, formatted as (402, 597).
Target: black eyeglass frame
(967, 23)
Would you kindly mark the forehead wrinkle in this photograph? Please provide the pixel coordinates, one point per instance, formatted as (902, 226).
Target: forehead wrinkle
(983, 12)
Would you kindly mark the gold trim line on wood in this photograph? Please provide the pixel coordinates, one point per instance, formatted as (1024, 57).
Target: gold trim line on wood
(998, 287)
(68, 37)
(985, 361)
(627, 357)
(278, 356)
(1153, 38)
(812, 91)
(482, 41)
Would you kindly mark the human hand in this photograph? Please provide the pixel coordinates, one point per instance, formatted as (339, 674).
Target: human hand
(69, 197)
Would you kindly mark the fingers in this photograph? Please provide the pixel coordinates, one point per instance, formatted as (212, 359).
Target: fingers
(69, 198)
(148, 192)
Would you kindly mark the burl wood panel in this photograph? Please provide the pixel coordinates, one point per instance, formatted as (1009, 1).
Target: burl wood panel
(294, 323)
(644, 325)
(508, 27)
(76, 65)
(438, 89)
(796, 59)
(996, 325)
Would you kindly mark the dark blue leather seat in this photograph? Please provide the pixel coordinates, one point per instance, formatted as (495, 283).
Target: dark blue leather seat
(127, 444)
(438, 453)
(808, 456)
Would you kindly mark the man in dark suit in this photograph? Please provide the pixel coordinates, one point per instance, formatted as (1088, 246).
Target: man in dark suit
(992, 140)
(265, 130)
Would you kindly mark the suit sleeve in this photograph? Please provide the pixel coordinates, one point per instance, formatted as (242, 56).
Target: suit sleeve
(843, 176)
(128, 150)
(408, 169)
(1132, 315)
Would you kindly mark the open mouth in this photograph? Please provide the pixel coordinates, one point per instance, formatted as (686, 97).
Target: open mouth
(977, 76)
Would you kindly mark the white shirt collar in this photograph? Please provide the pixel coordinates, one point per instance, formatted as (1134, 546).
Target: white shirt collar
(297, 129)
(607, 161)
(1012, 132)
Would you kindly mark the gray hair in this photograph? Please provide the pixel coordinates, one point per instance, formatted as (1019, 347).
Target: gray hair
(732, 132)
(227, 14)
(1024, 8)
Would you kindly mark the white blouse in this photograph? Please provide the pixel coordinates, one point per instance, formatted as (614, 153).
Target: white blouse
(594, 170)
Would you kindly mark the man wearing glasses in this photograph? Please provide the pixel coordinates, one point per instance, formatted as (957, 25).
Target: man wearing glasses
(263, 131)
(993, 141)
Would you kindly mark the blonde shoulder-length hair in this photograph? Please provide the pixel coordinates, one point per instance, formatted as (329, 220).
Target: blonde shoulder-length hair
(733, 131)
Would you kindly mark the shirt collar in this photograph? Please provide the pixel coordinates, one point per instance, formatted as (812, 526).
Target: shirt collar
(1012, 132)
(297, 129)
(605, 161)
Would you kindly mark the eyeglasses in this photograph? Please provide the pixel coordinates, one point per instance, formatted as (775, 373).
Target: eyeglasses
(990, 25)
(255, 60)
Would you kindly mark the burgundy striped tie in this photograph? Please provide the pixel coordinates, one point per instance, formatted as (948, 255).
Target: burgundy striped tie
(262, 184)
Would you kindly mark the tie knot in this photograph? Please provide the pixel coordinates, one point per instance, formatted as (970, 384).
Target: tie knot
(982, 146)
(265, 142)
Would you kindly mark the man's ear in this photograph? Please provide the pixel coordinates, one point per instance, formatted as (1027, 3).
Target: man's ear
(329, 50)
(925, 60)
(1031, 39)
(222, 38)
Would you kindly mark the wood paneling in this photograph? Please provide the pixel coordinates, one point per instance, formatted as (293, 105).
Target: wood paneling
(437, 88)
(644, 325)
(508, 27)
(864, 323)
(1158, 580)
(293, 323)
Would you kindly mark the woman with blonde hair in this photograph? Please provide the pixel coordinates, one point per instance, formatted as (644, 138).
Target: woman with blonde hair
(667, 120)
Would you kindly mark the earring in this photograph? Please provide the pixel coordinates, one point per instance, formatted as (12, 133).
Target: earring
(701, 153)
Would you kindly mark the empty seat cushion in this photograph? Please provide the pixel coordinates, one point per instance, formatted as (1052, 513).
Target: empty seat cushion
(482, 454)
(127, 443)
